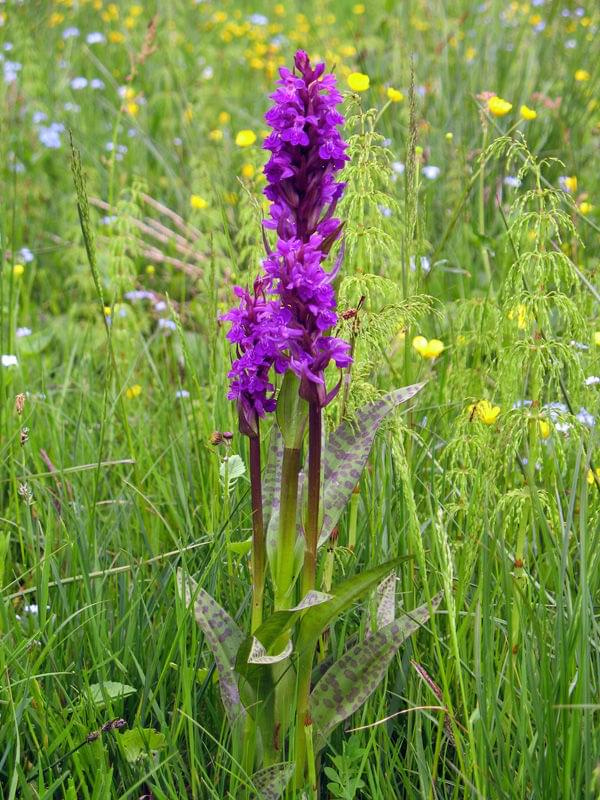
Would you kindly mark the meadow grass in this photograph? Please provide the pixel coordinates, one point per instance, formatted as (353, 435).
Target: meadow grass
(460, 227)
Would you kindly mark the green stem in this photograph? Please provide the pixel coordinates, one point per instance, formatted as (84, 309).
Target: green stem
(258, 534)
(311, 527)
(302, 716)
(286, 541)
(484, 253)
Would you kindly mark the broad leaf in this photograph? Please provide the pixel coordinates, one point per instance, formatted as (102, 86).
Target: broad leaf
(316, 619)
(224, 638)
(139, 742)
(386, 601)
(355, 676)
(271, 782)
(101, 693)
(259, 655)
(347, 452)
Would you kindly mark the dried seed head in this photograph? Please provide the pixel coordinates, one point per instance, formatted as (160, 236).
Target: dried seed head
(24, 437)
(19, 403)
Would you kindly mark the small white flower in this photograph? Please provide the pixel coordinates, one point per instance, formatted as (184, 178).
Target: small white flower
(9, 361)
(79, 83)
(182, 393)
(431, 172)
(207, 73)
(398, 167)
(512, 181)
(167, 324)
(160, 306)
(95, 38)
(21, 333)
(592, 380)
(139, 294)
(70, 33)
(258, 19)
(26, 255)
(96, 83)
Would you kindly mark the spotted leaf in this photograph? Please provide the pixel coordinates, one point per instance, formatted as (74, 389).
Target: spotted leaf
(347, 451)
(355, 676)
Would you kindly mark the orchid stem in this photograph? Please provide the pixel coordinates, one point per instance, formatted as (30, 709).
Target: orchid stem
(286, 543)
(258, 534)
(314, 496)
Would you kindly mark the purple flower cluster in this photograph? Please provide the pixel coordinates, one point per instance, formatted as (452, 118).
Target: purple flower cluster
(306, 152)
(284, 324)
(258, 330)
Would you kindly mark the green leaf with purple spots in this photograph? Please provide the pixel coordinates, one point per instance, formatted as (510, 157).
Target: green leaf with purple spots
(347, 451)
(222, 635)
(271, 782)
(317, 618)
(355, 676)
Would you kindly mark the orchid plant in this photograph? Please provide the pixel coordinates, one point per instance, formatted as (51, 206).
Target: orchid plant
(280, 705)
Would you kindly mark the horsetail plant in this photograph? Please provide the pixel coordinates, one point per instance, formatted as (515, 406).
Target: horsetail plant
(283, 327)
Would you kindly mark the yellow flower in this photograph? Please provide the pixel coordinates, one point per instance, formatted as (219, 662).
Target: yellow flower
(571, 183)
(470, 54)
(279, 9)
(591, 478)
(245, 138)
(358, 81)
(585, 207)
(150, 269)
(136, 11)
(247, 170)
(395, 95)
(449, 136)
(224, 117)
(527, 113)
(18, 270)
(116, 37)
(428, 349)
(198, 202)
(132, 108)
(55, 19)
(520, 314)
(216, 135)
(133, 391)
(597, 338)
(486, 412)
(498, 107)
(358, 9)
(544, 428)
(107, 311)
(582, 75)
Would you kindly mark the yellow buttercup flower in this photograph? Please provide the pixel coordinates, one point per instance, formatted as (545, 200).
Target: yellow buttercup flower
(245, 138)
(498, 107)
(18, 270)
(527, 113)
(224, 117)
(484, 411)
(132, 108)
(582, 75)
(248, 170)
(107, 311)
(395, 95)
(571, 183)
(150, 269)
(216, 135)
(585, 207)
(430, 349)
(198, 202)
(591, 478)
(116, 37)
(544, 428)
(597, 338)
(133, 391)
(359, 8)
(358, 81)
(520, 314)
